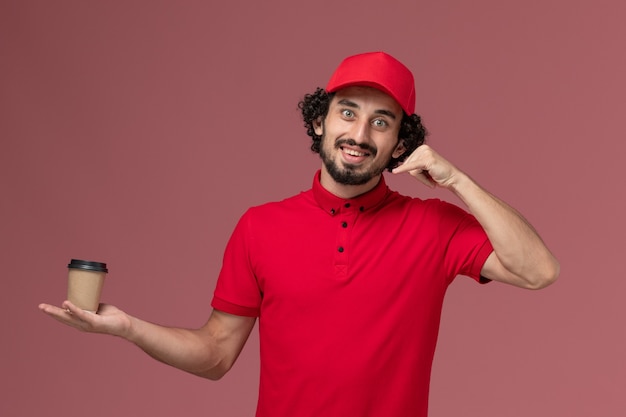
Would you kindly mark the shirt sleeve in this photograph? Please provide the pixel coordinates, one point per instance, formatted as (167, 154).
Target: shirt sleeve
(237, 291)
(467, 246)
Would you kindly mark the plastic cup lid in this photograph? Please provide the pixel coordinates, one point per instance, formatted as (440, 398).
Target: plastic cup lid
(88, 265)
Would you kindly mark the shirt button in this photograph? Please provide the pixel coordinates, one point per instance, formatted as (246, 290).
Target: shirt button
(332, 211)
(344, 224)
(346, 205)
(362, 208)
(340, 248)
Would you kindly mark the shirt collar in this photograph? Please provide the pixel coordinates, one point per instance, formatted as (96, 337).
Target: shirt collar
(332, 204)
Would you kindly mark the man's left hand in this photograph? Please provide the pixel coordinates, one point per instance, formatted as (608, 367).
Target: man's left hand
(429, 167)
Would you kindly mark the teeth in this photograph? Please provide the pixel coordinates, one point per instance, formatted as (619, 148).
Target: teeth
(353, 153)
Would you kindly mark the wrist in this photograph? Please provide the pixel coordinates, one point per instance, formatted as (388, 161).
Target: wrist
(462, 185)
(458, 181)
(129, 329)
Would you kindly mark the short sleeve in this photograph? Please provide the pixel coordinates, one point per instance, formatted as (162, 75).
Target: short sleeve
(237, 291)
(467, 246)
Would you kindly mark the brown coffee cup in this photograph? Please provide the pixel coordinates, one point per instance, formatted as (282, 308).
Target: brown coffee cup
(85, 282)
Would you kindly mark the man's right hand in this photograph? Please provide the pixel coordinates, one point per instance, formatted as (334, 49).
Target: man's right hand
(108, 320)
(209, 351)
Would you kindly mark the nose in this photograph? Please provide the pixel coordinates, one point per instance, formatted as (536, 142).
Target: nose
(361, 131)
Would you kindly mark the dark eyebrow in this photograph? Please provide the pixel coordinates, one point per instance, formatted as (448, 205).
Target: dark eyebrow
(348, 103)
(386, 113)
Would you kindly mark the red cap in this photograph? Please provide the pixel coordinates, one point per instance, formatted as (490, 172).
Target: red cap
(378, 70)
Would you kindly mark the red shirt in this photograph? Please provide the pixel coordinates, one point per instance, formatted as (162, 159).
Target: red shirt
(349, 296)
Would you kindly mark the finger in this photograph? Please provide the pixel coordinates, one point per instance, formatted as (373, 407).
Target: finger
(62, 315)
(416, 170)
(397, 170)
(415, 162)
(79, 313)
(52, 310)
(68, 305)
(405, 167)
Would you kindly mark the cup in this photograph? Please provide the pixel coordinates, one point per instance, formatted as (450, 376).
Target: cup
(85, 282)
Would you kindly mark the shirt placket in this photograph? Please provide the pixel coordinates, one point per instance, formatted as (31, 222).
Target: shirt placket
(345, 218)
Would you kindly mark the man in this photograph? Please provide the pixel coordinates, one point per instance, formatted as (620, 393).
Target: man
(347, 278)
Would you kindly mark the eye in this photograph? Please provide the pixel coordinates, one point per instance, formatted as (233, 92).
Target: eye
(379, 123)
(347, 113)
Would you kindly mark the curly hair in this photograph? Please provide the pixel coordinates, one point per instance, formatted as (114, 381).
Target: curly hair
(314, 106)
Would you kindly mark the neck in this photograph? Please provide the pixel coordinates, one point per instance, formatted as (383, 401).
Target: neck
(346, 191)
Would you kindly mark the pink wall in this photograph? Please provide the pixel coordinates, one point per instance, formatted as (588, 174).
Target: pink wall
(137, 132)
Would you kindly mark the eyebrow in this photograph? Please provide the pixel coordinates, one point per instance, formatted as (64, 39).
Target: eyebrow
(352, 104)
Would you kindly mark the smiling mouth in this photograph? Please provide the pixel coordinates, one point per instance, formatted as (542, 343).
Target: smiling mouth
(353, 152)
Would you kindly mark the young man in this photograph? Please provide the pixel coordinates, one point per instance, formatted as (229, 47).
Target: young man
(348, 278)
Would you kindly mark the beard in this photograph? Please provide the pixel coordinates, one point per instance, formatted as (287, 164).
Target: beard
(350, 174)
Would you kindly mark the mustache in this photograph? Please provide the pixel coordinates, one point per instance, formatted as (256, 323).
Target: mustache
(351, 142)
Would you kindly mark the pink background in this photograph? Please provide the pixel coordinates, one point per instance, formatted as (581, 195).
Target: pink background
(137, 133)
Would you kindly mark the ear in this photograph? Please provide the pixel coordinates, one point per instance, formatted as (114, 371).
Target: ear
(400, 149)
(318, 126)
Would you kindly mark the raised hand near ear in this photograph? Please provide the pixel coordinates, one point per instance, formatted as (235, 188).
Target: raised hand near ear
(429, 167)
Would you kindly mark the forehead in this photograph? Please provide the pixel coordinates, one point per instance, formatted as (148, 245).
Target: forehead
(368, 97)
